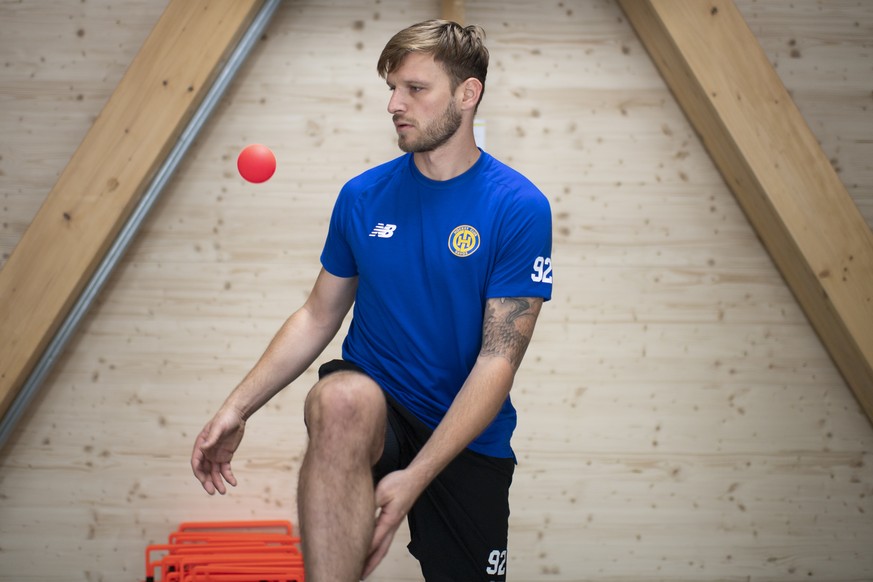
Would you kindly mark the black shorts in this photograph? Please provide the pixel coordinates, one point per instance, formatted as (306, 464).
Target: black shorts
(459, 526)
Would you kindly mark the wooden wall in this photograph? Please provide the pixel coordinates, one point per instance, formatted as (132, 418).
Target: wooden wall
(679, 418)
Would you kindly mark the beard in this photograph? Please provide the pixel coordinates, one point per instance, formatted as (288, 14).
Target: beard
(435, 134)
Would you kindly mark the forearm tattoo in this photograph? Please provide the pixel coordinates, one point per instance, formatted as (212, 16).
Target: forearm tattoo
(508, 327)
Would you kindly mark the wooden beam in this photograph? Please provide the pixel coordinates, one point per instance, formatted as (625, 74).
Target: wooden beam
(453, 10)
(763, 147)
(108, 173)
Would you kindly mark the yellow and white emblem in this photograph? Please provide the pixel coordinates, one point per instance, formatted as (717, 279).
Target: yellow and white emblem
(464, 241)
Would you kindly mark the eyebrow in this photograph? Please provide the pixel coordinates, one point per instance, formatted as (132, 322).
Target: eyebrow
(409, 81)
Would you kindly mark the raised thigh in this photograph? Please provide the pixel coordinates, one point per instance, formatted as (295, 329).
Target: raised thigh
(459, 526)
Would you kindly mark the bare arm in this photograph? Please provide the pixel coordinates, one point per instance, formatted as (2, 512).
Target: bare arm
(298, 342)
(295, 346)
(506, 332)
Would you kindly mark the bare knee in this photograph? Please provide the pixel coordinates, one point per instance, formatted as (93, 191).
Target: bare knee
(347, 406)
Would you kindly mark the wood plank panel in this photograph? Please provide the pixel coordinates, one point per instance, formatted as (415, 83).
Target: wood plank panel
(61, 63)
(107, 174)
(453, 10)
(678, 417)
(772, 162)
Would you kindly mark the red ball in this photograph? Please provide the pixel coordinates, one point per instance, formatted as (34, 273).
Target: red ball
(256, 163)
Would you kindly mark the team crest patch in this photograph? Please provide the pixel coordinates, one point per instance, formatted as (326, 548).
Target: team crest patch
(464, 241)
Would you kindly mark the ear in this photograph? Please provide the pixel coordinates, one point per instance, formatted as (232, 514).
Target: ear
(471, 91)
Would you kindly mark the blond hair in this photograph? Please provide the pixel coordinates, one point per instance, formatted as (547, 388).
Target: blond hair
(460, 50)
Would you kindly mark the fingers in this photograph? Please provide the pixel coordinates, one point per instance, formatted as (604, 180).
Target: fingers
(205, 473)
(227, 473)
(215, 475)
(379, 551)
(199, 463)
(211, 475)
(213, 450)
(383, 535)
(201, 466)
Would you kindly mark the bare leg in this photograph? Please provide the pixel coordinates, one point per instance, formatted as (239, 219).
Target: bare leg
(345, 416)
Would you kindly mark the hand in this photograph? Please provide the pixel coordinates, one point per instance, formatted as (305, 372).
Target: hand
(214, 448)
(395, 495)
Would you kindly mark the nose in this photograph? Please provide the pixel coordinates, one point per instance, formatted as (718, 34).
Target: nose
(395, 103)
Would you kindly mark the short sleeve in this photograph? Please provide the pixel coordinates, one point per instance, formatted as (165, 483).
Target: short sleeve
(523, 265)
(337, 256)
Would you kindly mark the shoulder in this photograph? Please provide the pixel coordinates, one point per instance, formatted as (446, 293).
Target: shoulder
(512, 186)
(377, 175)
(368, 185)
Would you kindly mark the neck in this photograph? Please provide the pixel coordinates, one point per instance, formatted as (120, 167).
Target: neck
(451, 159)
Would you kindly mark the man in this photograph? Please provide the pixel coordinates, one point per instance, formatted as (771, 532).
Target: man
(445, 254)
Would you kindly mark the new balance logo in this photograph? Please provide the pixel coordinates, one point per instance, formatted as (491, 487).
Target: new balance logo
(384, 230)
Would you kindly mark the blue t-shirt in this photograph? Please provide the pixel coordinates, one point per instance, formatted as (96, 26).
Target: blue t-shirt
(428, 254)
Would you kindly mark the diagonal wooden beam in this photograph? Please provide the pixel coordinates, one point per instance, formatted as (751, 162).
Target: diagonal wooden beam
(108, 173)
(770, 159)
